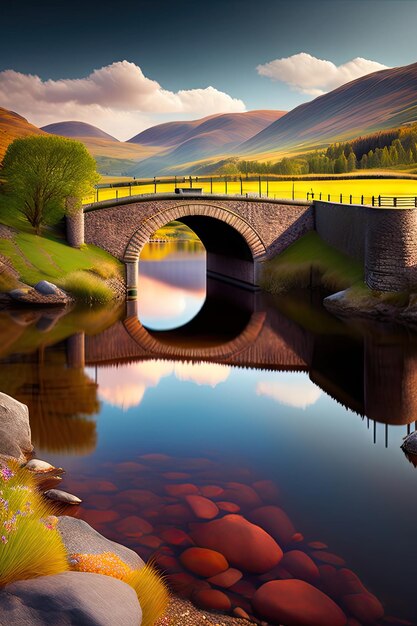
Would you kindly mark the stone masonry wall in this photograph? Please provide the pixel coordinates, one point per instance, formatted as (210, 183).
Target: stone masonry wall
(277, 225)
(343, 227)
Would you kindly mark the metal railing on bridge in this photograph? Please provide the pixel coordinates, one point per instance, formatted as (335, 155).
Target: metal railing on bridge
(252, 186)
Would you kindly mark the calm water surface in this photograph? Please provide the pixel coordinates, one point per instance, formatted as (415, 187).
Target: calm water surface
(206, 384)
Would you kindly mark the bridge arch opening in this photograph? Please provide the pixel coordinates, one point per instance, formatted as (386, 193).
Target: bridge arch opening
(233, 246)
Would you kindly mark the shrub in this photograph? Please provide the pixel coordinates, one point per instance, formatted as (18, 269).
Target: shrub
(29, 544)
(152, 593)
(87, 287)
(106, 270)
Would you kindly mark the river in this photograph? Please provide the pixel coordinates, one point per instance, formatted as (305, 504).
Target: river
(244, 398)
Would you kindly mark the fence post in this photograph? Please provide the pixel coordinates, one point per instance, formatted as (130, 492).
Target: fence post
(350, 199)
(191, 183)
(260, 186)
(320, 196)
(362, 199)
(308, 194)
(395, 201)
(373, 201)
(117, 194)
(328, 197)
(415, 202)
(241, 187)
(379, 200)
(341, 198)
(211, 184)
(267, 186)
(225, 184)
(97, 195)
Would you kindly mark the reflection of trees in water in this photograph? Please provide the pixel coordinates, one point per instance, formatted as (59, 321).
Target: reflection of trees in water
(59, 400)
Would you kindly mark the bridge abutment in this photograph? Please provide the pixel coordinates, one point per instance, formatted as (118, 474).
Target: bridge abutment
(132, 278)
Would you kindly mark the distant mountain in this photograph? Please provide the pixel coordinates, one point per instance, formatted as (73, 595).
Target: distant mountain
(380, 100)
(13, 126)
(184, 142)
(78, 130)
(227, 128)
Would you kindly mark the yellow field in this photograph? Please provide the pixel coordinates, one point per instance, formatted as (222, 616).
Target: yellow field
(329, 189)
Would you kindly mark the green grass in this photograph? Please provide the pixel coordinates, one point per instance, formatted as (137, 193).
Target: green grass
(87, 287)
(38, 258)
(309, 254)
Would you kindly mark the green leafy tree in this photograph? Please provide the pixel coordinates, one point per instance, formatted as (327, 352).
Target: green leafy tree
(47, 177)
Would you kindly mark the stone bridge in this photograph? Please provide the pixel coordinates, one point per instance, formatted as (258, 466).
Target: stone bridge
(239, 233)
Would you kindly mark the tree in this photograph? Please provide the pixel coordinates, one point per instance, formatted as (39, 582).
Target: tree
(47, 176)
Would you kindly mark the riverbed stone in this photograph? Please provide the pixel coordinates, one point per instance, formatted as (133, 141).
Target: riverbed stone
(80, 537)
(204, 562)
(275, 522)
(69, 599)
(15, 435)
(37, 465)
(62, 496)
(245, 545)
(410, 443)
(296, 603)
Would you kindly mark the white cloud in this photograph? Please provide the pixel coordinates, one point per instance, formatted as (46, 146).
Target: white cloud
(295, 392)
(118, 97)
(313, 76)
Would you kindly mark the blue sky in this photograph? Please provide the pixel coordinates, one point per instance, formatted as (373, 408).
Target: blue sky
(187, 45)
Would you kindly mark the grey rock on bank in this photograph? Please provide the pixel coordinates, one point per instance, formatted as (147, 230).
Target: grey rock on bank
(15, 436)
(69, 599)
(46, 288)
(78, 536)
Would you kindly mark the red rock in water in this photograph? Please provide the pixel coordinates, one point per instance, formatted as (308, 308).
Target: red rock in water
(104, 486)
(167, 563)
(241, 494)
(226, 579)
(230, 507)
(300, 566)
(267, 491)
(175, 476)
(349, 582)
(328, 557)
(185, 584)
(365, 607)
(239, 612)
(211, 491)
(151, 541)
(134, 526)
(317, 545)
(275, 521)
(243, 588)
(177, 513)
(212, 599)
(245, 545)
(99, 517)
(100, 502)
(202, 507)
(296, 603)
(142, 497)
(181, 490)
(329, 580)
(278, 572)
(297, 538)
(176, 537)
(204, 562)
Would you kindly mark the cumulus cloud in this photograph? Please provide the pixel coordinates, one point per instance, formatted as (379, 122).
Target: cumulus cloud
(308, 74)
(119, 97)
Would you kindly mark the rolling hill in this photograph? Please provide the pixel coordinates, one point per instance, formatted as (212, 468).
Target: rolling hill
(12, 126)
(185, 142)
(78, 130)
(383, 99)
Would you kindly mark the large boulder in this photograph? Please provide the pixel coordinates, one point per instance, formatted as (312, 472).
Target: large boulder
(80, 538)
(244, 545)
(296, 603)
(70, 599)
(15, 436)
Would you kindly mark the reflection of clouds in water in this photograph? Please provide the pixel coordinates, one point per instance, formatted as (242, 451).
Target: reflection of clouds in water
(293, 392)
(125, 386)
(162, 302)
(202, 373)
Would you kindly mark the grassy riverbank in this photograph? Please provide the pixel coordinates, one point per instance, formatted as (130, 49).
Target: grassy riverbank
(82, 272)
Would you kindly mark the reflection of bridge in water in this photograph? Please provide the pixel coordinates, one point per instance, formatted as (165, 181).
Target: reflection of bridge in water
(368, 370)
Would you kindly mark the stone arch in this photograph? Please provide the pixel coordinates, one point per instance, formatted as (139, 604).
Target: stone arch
(222, 352)
(150, 224)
